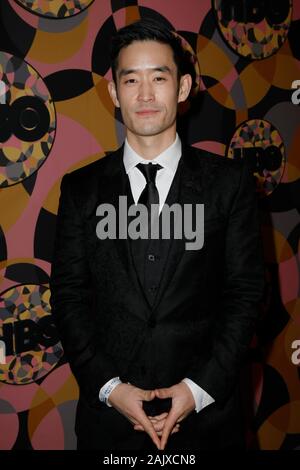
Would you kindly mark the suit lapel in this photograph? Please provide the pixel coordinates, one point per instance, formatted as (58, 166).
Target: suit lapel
(114, 185)
(190, 192)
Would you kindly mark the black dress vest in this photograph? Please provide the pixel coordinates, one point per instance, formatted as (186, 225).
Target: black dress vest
(150, 255)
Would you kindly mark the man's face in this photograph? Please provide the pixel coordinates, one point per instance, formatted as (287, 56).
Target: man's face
(147, 89)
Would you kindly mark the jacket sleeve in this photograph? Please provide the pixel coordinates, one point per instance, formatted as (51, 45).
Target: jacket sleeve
(71, 300)
(243, 286)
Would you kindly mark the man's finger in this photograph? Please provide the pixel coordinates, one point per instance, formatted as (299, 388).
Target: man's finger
(148, 427)
(157, 426)
(164, 392)
(148, 395)
(174, 430)
(169, 425)
(159, 417)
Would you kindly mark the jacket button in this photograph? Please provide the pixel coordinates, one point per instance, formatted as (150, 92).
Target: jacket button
(152, 323)
(153, 289)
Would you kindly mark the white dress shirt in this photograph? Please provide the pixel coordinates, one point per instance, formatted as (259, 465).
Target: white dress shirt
(169, 160)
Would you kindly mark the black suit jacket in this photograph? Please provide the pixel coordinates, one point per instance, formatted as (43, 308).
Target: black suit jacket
(204, 315)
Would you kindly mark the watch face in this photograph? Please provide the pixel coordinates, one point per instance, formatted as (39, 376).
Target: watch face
(260, 142)
(55, 8)
(254, 28)
(27, 120)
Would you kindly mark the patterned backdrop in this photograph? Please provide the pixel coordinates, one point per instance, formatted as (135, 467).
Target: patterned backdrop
(56, 115)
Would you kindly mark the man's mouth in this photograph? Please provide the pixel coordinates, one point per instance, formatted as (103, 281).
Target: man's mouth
(146, 112)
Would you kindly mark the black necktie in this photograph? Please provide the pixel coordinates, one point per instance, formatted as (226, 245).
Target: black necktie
(149, 194)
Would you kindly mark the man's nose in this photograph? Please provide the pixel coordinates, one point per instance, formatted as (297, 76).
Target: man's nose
(145, 92)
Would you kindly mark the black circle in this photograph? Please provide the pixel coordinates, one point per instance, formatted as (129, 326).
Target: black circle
(29, 118)
(277, 12)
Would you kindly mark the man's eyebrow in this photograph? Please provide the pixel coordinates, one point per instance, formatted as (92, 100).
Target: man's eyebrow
(162, 68)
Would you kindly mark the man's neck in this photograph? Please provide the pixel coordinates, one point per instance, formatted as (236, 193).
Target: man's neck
(149, 147)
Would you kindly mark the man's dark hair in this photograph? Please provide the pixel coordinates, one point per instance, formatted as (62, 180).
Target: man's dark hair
(147, 30)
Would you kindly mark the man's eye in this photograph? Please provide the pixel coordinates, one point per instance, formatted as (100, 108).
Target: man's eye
(160, 79)
(130, 80)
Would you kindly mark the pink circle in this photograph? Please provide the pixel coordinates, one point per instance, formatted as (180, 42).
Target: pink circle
(49, 434)
(19, 396)
(9, 425)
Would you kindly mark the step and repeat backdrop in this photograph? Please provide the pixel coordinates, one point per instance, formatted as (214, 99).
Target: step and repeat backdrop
(56, 116)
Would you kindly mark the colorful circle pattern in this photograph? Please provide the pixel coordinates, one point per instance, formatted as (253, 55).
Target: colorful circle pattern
(260, 142)
(32, 345)
(27, 120)
(55, 8)
(254, 29)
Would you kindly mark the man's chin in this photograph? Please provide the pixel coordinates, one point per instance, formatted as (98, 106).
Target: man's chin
(148, 132)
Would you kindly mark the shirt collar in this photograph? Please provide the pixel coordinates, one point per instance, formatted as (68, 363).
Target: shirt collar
(168, 159)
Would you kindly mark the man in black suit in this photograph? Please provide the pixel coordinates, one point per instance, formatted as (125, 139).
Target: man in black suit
(155, 333)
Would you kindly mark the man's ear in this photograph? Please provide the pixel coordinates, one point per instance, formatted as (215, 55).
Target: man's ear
(112, 90)
(185, 86)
